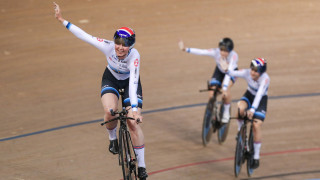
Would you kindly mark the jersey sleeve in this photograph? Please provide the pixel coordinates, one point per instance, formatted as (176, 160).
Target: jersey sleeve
(134, 66)
(201, 52)
(261, 91)
(233, 64)
(79, 33)
(238, 73)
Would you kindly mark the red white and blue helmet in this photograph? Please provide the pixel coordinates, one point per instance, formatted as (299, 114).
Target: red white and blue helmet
(125, 36)
(259, 65)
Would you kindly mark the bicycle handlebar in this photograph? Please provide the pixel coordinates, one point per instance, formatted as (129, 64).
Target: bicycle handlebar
(122, 115)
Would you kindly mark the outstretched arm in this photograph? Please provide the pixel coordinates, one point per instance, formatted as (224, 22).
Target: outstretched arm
(95, 41)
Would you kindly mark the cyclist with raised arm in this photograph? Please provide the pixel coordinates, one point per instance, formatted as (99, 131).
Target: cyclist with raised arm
(122, 72)
(224, 53)
(255, 99)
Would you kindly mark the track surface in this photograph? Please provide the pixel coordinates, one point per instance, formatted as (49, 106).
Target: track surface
(49, 79)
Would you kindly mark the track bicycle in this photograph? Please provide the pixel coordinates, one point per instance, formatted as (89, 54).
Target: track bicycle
(127, 155)
(212, 118)
(244, 147)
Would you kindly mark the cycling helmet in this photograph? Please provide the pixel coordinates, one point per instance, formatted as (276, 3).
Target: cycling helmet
(259, 65)
(226, 44)
(125, 36)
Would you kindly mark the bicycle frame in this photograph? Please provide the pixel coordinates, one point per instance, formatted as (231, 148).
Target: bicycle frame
(127, 155)
(212, 118)
(244, 147)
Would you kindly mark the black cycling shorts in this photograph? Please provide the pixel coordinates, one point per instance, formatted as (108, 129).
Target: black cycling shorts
(218, 76)
(261, 111)
(110, 84)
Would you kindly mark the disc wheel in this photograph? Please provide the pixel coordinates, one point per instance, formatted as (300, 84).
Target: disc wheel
(207, 125)
(239, 154)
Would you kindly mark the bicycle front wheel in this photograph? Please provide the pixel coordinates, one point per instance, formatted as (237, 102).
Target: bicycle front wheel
(239, 155)
(250, 153)
(127, 156)
(207, 129)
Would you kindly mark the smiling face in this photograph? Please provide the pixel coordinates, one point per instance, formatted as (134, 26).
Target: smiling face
(121, 50)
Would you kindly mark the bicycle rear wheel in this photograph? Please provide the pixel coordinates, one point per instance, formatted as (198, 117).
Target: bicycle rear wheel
(224, 128)
(207, 129)
(239, 155)
(127, 156)
(250, 153)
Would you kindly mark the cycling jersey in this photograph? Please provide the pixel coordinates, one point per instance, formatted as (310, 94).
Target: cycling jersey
(232, 60)
(257, 88)
(121, 69)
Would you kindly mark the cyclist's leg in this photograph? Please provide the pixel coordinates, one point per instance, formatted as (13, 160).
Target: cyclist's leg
(257, 137)
(137, 137)
(259, 117)
(136, 131)
(138, 145)
(242, 106)
(227, 102)
(109, 99)
(216, 80)
(227, 84)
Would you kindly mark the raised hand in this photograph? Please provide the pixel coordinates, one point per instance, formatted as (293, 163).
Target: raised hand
(181, 45)
(58, 12)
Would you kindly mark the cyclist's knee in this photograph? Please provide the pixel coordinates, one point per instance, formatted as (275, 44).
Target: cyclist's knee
(257, 123)
(107, 112)
(132, 125)
(241, 112)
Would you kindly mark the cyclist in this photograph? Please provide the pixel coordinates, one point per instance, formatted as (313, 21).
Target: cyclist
(224, 53)
(122, 72)
(255, 99)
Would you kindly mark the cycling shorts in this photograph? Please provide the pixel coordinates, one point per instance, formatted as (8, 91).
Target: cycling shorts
(260, 112)
(218, 76)
(110, 84)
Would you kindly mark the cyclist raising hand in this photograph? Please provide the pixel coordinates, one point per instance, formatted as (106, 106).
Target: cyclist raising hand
(122, 72)
(223, 54)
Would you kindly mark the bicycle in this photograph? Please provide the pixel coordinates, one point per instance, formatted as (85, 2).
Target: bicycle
(212, 118)
(127, 155)
(244, 147)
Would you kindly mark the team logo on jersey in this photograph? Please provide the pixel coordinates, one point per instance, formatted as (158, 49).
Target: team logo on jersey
(99, 39)
(136, 63)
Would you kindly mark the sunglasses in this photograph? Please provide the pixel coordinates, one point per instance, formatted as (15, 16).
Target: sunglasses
(121, 41)
(253, 68)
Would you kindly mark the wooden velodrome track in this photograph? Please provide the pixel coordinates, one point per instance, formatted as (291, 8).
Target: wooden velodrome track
(50, 84)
